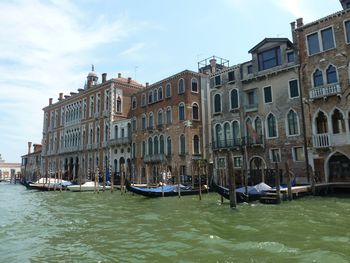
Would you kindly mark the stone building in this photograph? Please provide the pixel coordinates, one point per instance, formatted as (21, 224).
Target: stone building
(256, 113)
(31, 164)
(324, 52)
(9, 171)
(77, 128)
(168, 131)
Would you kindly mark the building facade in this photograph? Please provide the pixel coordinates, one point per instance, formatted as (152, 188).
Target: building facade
(31, 164)
(324, 52)
(77, 128)
(168, 135)
(256, 114)
(9, 171)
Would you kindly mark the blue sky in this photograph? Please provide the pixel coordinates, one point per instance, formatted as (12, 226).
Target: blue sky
(47, 47)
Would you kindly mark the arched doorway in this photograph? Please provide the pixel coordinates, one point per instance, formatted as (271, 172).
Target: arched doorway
(339, 168)
(257, 166)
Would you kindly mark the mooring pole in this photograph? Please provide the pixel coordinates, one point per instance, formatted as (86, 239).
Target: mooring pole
(290, 195)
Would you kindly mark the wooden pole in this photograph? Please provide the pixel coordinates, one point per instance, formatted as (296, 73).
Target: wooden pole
(200, 180)
(60, 175)
(80, 179)
(231, 171)
(206, 170)
(221, 176)
(290, 195)
(112, 178)
(122, 179)
(104, 178)
(278, 187)
(54, 186)
(177, 173)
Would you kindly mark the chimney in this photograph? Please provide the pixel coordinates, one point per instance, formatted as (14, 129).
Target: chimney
(213, 64)
(129, 79)
(119, 75)
(60, 97)
(29, 147)
(104, 77)
(300, 22)
(147, 84)
(50, 101)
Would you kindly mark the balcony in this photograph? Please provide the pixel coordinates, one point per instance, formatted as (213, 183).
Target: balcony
(252, 142)
(155, 158)
(251, 107)
(325, 140)
(120, 141)
(325, 91)
(226, 144)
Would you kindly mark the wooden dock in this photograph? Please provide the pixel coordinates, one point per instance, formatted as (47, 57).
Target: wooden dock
(302, 190)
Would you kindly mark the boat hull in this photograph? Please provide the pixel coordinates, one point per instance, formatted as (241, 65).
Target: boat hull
(150, 193)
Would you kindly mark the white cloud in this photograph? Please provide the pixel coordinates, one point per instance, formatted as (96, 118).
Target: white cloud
(44, 45)
(134, 51)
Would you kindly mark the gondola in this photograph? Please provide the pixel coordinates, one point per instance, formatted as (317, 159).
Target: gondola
(244, 194)
(168, 190)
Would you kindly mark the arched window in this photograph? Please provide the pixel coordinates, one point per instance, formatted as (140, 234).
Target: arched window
(133, 151)
(234, 99)
(98, 135)
(168, 145)
(258, 129)
(160, 118)
(236, 133)
(181, 86)
(150, 97)
(134, 124)
(168, 90)
(155, 95)
(195, 111)
(219, 136)
(156, 145)
(143, 149)
(181, 111)
(227, 134)
(318, 78)
(196, 144)
(143, 100)
(182, 144)
(150, 120)
(133, 103)
(249, 129)
(194, 85)
(168, 115)
(331, 75)
(161, 144)
(338, 123)
(271, 126)
(119, 104)
(150, 146)
(143, 122)
(321, 123)
(160, 93)
(293, 125)
(217, 103)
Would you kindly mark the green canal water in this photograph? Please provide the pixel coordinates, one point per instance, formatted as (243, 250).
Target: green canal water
(110, 227)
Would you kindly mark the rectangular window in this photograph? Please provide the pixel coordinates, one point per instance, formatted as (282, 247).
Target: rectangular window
(275, 155)
(298, 154)
(231, 76)
(290, 57)
(250, 69)
(217, 80)
(347, 31)
(143, 124)
(251, 97)
(237, 161)
(293, 89)
(327, 38)
(182, 170)
(313, 44)
(268, 94)
(269, 58)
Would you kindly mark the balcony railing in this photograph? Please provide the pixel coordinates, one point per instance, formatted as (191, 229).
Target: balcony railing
(227, 144)
(322, 140)
(120, 141)
(155, 158)
(325, 140)
(325, 91)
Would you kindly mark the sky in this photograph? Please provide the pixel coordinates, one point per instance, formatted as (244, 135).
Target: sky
(48, 47)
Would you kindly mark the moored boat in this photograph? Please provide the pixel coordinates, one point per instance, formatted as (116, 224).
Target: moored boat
(165, 190)
(46, 184)
(244, 194)
(87, 186)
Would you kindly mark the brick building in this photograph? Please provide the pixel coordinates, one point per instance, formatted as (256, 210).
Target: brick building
(167, 121)
(324, 53)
